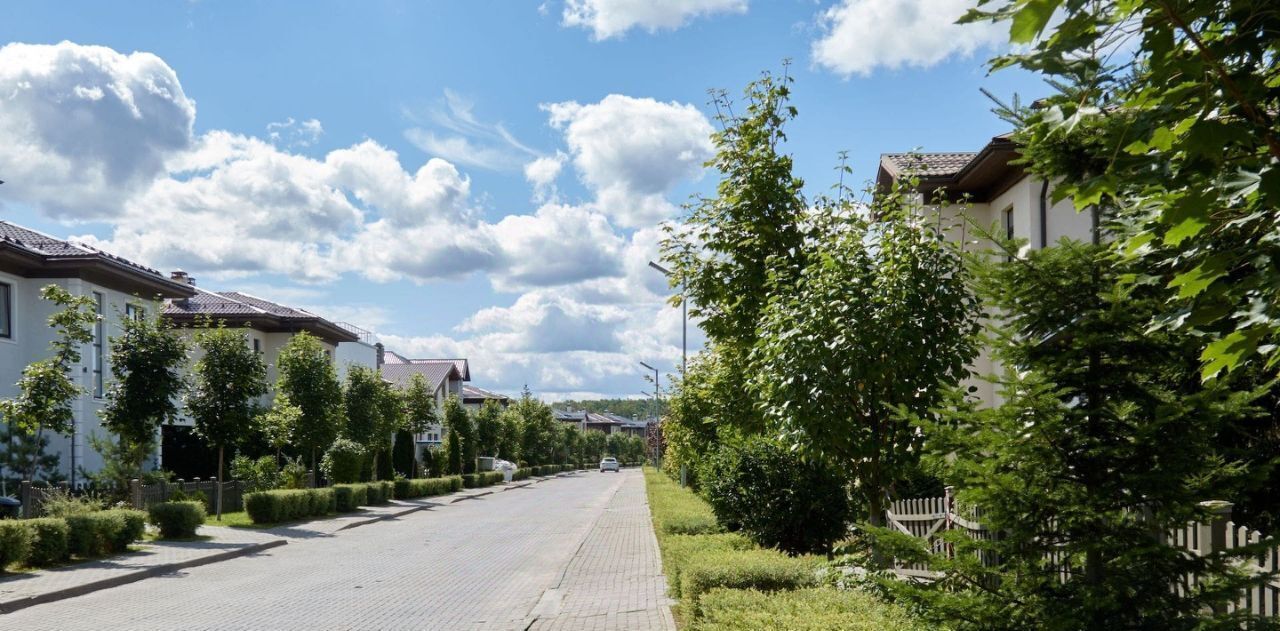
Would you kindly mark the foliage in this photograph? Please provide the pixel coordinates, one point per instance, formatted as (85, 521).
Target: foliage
(342, 461)
(452, 452)
(409, 489)
(595, 445)
(18, 450)
(308, 378)
(478, 480)
(677, 550)
(104, 532)
(176, 520)
(700, 399)
(1076, 467)
(877, 325)
(676, 510)
(764, 570)
(256, 475)
(402, 454)
(269, 507)
(811, 609)
(1166, 112)
(420, 405)
(360, 400)
(434, 461)
(630, 408)
(293, 475)
(61, 503)
(48, 541)
(462, 433)
(349, 497)
(510, 436)
(47, 387)
(538, 431)
(120, 463)
(15, 542)
(147, 360)
(280, 422)
(391, 418)
(488, 428)
(760, 487)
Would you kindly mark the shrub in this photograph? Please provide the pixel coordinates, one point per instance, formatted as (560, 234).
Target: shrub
(800, 610)
(764, 570)
(268, 507)
(133, 528)
(48, 541)
(378, 492)
(343, 461)
(177, 520)
(676, 510)
(15, 542)
(678, 549)
(522, 473)
(104, 532)
(409, 489)
(760, 487)
(349, 497)
(256, 475)
(470, 480)
(60, 503)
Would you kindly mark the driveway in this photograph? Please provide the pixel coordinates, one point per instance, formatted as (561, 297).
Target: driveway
(573, 552)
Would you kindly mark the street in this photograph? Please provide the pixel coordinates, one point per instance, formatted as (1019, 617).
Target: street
(574, 552)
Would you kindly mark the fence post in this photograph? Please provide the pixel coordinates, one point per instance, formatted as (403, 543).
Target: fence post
(24, 495)
(1213, 533)
(135, 493)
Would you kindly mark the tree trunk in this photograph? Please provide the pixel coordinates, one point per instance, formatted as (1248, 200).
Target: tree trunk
(374, 474)
(219, 489)
(315, 471)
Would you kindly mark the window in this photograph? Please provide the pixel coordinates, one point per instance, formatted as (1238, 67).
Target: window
(134, 312)
(257, 346)
(6, 310)
(97, 346)
(1008, 228)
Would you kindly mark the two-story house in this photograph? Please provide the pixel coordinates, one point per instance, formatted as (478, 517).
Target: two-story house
(29, 260)
(474, 397)
(444, 378)
(984, 189)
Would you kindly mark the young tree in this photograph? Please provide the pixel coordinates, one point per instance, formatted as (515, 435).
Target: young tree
(389, 420)
(420, 408)
(878, 325)
(595, 445)
(362, 399)
(147, 360)
(453, 451)
(462, 430)
(569, 443)
(309, 379)
(488, 428)
(18, 450)
(537, 429)
(509, 437)
(47, 388)
(280, 423)
(402, 458)
(225, 385)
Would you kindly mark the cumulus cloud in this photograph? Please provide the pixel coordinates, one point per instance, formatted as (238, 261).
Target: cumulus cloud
(293, 133)
(632, 151)
(84, 127)
(863, 35)
(556, 245)
(542, 173)
(613, 18)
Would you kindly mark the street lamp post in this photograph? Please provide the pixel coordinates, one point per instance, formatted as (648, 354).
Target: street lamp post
(684, 320)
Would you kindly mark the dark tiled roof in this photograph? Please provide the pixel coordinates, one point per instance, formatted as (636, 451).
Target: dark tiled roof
(472, 392)
(48, 250)
(929, 164)
(434, 372)
(392, 357)
(234, 304)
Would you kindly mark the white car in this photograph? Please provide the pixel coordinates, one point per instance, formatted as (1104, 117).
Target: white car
(609, 464)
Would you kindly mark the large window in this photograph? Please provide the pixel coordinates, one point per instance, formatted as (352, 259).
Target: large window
(6, 310)
(1008, 228)
(98, 343)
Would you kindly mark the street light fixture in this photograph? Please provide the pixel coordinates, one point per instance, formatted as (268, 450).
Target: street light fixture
(684, 320)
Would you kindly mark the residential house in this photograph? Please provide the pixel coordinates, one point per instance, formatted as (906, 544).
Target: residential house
(120, 289)
(984, 188)
(444, 378)
(473, 397)
(599, 421)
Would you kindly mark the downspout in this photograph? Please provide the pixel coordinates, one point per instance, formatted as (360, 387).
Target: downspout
(1044, 215)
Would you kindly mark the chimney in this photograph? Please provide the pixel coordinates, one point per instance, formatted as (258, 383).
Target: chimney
(182, 277)
(382, 354)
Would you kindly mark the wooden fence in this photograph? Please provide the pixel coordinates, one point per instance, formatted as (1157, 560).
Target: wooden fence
(927, 518)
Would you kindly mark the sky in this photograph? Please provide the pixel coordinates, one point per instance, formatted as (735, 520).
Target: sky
(482, 178)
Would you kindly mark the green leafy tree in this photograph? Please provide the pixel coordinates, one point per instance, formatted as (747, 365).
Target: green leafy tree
(569, 443)
(488, 428)
(279, 424)
(402, 459)
(510, 435)
(1103, 443)
(538, 432)
(390, 419)
(307, 376)
(420, 405)
(222, 395)
(708, 392)
(47, 387)
(453, 451)
(343, 461)
(1166, 112)
(18, 450)
(874, 330)
(462, 430)
(147, 360)
(362, 400)
(594, 445)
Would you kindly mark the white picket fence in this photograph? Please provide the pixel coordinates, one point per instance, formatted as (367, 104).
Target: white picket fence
(927, 518)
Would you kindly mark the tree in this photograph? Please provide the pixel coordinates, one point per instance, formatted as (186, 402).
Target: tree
(362, 400)
(47, 388)
(308, 378)
(488, 428)
(420, 407)
(225, 385)
(510, 436)
(873, 331)
(453, 451)
(402, 458)
(1104, 442)
(1167, 112)
(343, 461)
(18, 450)
(280, 422)
(389, 420)
(700, 398)
(594, 445)
(537, 429)
(462, 431)
(569, 443)
(147, 360)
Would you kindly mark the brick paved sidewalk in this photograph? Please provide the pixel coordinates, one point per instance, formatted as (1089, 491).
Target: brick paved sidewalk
(615, 580)
(23, 590)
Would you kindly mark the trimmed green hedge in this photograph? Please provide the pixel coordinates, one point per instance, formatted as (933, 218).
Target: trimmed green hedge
(268, 507)
(764, 570)
(176, 520)
(677, 550)
(15, 542)
(522, 473)
(676, 510)
(49, 541)
(378, 492)
(426, 487)
(478, 480)
(349, 496)
(800, 610)
(104, 532)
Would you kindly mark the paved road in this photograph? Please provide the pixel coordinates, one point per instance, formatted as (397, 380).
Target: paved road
(567, 553)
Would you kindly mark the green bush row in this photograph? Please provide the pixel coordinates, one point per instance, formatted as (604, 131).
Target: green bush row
(352, 496)
(477, 480)
(426, 487)
(48, 540)
(759, 569)
(269, 507)
(176, 520)
(811, 608)
(676, 510)
(522, 473)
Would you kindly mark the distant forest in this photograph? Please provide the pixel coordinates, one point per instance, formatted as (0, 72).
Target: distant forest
(634, 408)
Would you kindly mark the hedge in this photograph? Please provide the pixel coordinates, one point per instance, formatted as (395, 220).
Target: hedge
(176, 520)
(764, 570)
(677, 550)
(268, 507)
(15, 542)
(477, 480)
(104, 532)
(349, 497)
(426, 487)
(378, 492)
(677, 510)
(49, 541)
(802, 609)
(522, 473)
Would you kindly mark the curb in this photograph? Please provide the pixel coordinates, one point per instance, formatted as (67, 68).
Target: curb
(372, 520)
(469, 497)
(133, 577)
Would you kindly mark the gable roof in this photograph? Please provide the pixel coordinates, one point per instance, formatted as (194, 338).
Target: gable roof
(978, 175)
(474, 394)
(435, 373)
(258, 313)
(33, 254)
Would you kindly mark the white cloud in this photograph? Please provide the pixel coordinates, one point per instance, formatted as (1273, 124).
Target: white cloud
(555, 246)
(863, 35)
(631, 152)
(292, 133)
(542, 173)
(462, 138)
(83, 127)
(613, 18)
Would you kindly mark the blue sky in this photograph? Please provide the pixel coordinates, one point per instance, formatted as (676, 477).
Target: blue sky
(478, 178)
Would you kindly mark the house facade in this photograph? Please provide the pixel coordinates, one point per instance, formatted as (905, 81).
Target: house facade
(29, 260)
(444, 377)
(984, 189)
